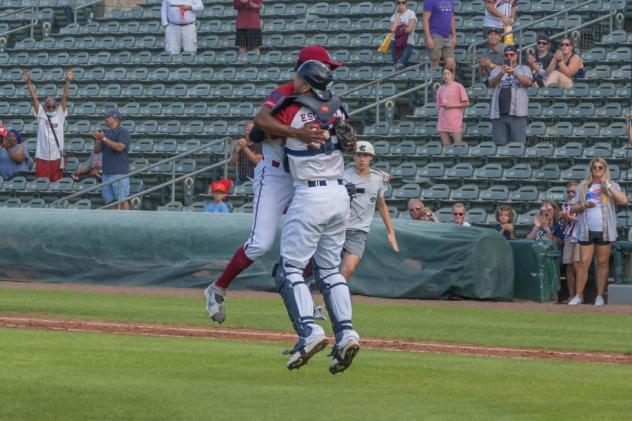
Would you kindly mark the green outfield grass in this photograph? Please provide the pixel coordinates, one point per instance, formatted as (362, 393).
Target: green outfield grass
(594, 332)
(78, 376)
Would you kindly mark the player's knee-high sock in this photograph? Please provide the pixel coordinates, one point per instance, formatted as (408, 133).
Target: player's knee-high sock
(337, 300)
(237, 264)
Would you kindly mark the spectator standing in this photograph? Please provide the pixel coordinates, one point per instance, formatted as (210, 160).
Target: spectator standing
(246, 155)
(628, 119)
(114, 142)
(49, 152)
(500, 14)
(458, 215)
(539, 62)
(505, 218)
(546, 224)
(178, 18)
(14, 158)
(492, 56)
(451, 102)
(248, 24)
(403, 23)
(570, 255)
(510, 100)
(440, 31)
(596, 226)
(219, 191)
(566, 66)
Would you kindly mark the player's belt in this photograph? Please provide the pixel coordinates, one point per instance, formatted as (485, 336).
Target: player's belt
(182, 24)
(327, 148)
(322, 183)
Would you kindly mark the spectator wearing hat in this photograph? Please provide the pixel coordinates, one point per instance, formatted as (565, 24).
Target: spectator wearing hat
(540, 59)
(14, 158)
(439, 26)
(178, 19)
(50, 129)
(403, 24)
(510, 100)
(113, 143)
(219, 190)
(492, 56)
(246, 155)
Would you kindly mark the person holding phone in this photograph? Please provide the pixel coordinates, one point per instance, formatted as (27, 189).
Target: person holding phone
(546, 224)
(510, 100)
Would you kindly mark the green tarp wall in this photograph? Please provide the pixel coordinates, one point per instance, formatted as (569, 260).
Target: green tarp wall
(187, 249)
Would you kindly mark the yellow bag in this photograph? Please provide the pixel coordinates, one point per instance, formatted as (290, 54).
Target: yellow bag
(385, 45)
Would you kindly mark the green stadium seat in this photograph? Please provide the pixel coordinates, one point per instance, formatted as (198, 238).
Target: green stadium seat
(65, 184)
(484, 150)
(13, 202)
(86, 184)
(171, 207)
(83, 204)
(432, 148)
(547, 172)
(519, 172)
(594, 55)
(457, 149)
(186, 166)
(476, 216)
(587, 130)
(431, 170)
(460, 170)
(444, 215)
(142, 146)
(585, 109)
(574, 173)
(496, 193)
(436, 192)
(615, 129)
(188, 145)
(466, 192)
(556, 193)
(404, 170)
(197, 109)
(512, 150)
(345, 24)
(407, 191)
(524, 194)
(609, 110)
(489, 171)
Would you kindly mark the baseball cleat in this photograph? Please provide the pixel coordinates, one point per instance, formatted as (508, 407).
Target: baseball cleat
(301, 357)
(342, 358)
(214, 297)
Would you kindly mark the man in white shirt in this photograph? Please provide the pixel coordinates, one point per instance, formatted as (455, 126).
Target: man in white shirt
(500, 14)
(403, 17)
(50, 130)
(178, 18)
(458, 215)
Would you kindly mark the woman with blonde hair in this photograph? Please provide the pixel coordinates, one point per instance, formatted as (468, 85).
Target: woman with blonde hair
(596, 226)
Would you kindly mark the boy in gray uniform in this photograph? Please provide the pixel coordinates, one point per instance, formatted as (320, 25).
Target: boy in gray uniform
(368, 187)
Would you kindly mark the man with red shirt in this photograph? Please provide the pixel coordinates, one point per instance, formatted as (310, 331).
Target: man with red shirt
(273, 185)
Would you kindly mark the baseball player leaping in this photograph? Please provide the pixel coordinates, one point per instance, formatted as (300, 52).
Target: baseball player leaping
(366, 187)
(273, 185)
(316, 220)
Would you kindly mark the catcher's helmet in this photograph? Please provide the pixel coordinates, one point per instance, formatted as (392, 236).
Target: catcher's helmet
(318, 76)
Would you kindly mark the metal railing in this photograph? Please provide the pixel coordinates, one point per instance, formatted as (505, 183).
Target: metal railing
(82, 4)
(34, 20)
(174, 179)
(471, 49)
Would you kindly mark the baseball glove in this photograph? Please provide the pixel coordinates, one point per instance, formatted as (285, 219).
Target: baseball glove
(346, 135)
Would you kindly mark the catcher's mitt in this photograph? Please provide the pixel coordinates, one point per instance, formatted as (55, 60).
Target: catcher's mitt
(346, 135)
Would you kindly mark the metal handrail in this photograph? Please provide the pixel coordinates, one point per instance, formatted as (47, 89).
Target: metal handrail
(144, 169)
(521, 29)
(34, 19)
(81, 5)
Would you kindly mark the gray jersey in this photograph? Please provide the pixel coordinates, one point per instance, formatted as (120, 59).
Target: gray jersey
(363, 204)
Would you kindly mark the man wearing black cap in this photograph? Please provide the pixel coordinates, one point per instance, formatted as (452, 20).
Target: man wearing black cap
(540, 61)
(510, 101)
(114, 143)
(492, 56)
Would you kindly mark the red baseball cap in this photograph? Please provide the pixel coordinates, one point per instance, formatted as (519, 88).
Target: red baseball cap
(219, 186)
(3, 131)
(316, 52)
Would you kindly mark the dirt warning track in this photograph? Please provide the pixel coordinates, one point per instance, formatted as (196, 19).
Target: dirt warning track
(257, 335)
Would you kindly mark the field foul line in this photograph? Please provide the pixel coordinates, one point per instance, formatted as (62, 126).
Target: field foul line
(282, 337)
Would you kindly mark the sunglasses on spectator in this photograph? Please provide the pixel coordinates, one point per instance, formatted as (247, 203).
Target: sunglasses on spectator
(598, 167)
(414, 209)
(542, 42)
(570, 191)
(510, 54)
(458, 213)
(401, 2)
(565, 44)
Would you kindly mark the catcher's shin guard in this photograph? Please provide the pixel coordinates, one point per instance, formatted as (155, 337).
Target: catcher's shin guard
(337, 299)
(296, 297)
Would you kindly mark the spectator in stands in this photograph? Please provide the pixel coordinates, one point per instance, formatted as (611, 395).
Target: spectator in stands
(15, 135)
(14, 158)
(49, 152)
(403, 23)
(219, 191)
(248, 25)
(539, 62)
(566, 66)
(428, 215)
(92, 168)
(628, 119)
(451, 102)
(500, 14)
(114, 142)
(596, 226)
(546, 224)
(570, 255)
(492, 56)
(510, 100)
(178, 19)
(440, 31)
(458, 215)
(246, 155)
(505, 218)
(415, 207)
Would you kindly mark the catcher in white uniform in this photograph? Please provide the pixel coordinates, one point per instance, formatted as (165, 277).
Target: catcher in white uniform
(316, 220)
(366, 186)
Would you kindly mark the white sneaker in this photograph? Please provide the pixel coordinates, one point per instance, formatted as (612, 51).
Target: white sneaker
(301, 356)
(214, 297)
(343, 357)
(575, 301)
(599, 301)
